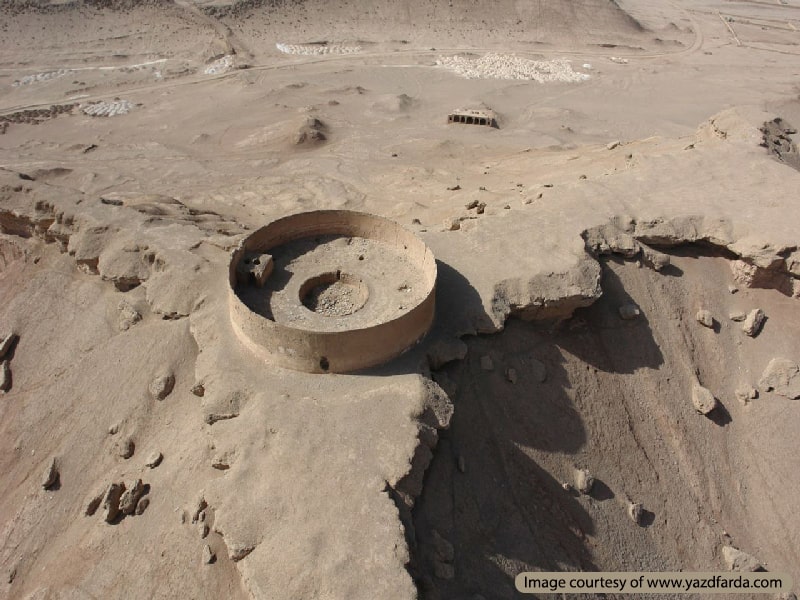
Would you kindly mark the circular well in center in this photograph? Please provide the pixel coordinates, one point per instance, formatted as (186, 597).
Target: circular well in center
(334, 294)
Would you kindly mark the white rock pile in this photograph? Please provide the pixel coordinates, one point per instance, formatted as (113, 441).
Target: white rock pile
(39, 77)
(221, 65)
(317, 49)
(107, 109)
(509, 66)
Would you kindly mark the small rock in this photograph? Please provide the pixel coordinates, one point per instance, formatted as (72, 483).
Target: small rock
(783, 377)
(583, 481)
(128, 316)
(736, 560)
(154, 460)
(486, 363)
(131, 497)
(199, 390)
(737, 315)
(208, 555)
(452, 224)
(222, 461)
(733, 289)
(238, 551)
(94, 503)
(111, 502)
(50, 475)
(654, 259)
(204, 529)
(567, 487)
(704, 318)
(161, 386)
(472, 204)
(538, 370)
(481, 208)
(511, 375)
(443, 570)
(613, 145)
(6, 343)
(744, 395)
(703, 400)
(753, 322)
(200, 506)
(12, 574)
(142, 505)
(636, 512)
(454, 188)
(213, 417)
(125, 448)
(445, 351)
(113, 429)
(443, 549)
(629, 311)
(5, 376)
(462, 464)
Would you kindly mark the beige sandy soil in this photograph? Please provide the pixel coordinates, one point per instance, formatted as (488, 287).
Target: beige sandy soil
(440, 474)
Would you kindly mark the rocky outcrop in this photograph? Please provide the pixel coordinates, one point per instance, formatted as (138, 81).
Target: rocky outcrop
(783, 377)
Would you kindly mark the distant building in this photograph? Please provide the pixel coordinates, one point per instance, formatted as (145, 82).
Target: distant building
(473, 117)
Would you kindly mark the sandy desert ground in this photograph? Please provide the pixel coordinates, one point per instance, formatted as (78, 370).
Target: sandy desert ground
(617, 294)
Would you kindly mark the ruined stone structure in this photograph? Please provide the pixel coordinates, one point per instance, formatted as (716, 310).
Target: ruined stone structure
(331, 291)
(473, 117)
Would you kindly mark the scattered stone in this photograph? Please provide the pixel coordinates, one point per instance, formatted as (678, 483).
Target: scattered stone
(629, 311)
(732, 289)
(200, 506)
(154, 460)
(462, 464)
(128, 316)
(744, 395)
(12, 574)
(753, 322)
(443, 549)
(636, 512)
(613, 145)
(204, 529)
(452, 224)
(481, 208)
(113, 429)
(454, 188)
(737, 315)
(783, 377)
(5, 376)
(111, 502)
(212, 418)
(511, 375)
(238, 551)
(471, 205)
(583, 481)
(567, 487)
(125, 448)
(654, 259)
(208, 555)
(486, 363)
(538, 370)
(94, 503)
(704, 318)
(6, 343)
(443, 570)
(161, 386)
(51, 475)
(507, 207)
(445, 351)
(142, 505)
(703, 400)
(222, 461)
(199, 390)
(131, 497)
(736, 560)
